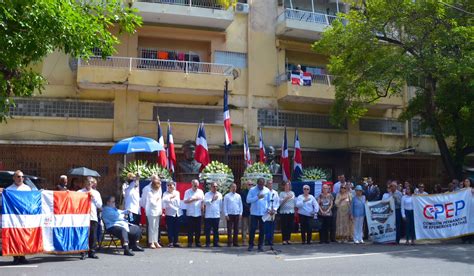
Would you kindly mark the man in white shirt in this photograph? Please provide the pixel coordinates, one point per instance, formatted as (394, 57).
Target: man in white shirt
(17, 185)
(193, 199)
(212, 215)
(132, 200)
(233, 209)
(272, 207)
(96, 205)
(337, 186)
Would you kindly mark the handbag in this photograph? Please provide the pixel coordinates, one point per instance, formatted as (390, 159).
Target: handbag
(315, 224)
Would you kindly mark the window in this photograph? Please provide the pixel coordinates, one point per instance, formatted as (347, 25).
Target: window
(277, 118)
(238, 60)
(382, 125)
(188, 114)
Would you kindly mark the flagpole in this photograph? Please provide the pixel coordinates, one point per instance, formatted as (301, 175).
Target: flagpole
(226, 148)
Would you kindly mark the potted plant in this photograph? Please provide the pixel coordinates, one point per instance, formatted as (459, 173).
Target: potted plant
(256, 171)
(217, 172)
(314, 174)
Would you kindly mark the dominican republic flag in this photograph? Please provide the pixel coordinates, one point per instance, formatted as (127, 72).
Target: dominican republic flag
(247, 157)
(227, 123)
(45, 221)
(296, 78)
(284, 159)
(161, 153)
(297, 159)
(202, 153)
(307, 79)
(261, 147)
(170, 150)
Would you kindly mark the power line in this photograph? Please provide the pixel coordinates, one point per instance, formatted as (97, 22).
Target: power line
(457, 8)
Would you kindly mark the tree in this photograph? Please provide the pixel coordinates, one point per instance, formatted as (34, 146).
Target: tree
(379, 46)
(31, 29)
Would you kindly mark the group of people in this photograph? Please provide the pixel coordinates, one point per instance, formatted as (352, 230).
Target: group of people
(337, 213)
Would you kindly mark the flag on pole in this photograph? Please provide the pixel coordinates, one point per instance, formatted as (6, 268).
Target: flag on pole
(170, 153)
(261, 146)
(45, 221)
(202, 152)
(227, 122)
(297, 158)
(284, 159)
(247, 157)
(161, 153)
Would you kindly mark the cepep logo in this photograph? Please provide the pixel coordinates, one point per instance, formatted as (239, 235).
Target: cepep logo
(448, 210)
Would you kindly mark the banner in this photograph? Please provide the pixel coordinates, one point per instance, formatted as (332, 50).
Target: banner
(44, 221)
(442, 216)
(381, 220)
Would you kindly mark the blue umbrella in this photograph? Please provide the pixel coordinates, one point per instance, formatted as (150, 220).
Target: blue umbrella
(136, 144)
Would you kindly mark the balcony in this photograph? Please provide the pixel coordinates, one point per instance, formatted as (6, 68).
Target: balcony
(154, 75)
(300, 24)
(320, 90)
(195, 13)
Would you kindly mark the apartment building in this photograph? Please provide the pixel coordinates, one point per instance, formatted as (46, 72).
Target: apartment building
(176, 66)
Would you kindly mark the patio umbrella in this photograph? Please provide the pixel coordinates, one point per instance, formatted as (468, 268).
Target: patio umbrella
(135, 144)
(83, 171)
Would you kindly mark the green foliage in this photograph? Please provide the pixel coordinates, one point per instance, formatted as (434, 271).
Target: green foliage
(314, 174)
(382, 45)
(255, 171)
(32, 29)
(220, 173)
(145, 170)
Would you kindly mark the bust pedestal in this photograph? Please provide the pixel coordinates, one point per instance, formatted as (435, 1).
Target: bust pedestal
(187, 177)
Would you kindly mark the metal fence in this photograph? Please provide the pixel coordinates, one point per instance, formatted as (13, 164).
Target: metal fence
(306, 16)
(315, 78)
(158, 65)
(208, 4)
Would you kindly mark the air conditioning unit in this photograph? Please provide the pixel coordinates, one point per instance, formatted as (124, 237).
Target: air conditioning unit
(242, 8)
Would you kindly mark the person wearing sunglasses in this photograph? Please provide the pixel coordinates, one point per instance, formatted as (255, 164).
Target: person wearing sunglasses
(343, 219)
(171, 204)
(18, 185)
(308, 209)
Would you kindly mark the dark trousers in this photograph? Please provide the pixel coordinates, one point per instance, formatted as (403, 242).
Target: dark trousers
(134, 219)
(332, 233)
(172, 227)
(326, 228)
(194, 230)
(269, 231)
(306, 231)
(409, 225)
(398, 224)
(287, 221)
(211, 224)
(233, 225)
(256, 221)
(130, 237)
(93, 236)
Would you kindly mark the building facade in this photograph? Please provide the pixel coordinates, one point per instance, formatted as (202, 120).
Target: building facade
(175, 66)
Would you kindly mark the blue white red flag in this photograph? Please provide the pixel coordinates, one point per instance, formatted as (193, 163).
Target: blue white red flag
(285, 159)
(307, 79)
(296, 78)
(161, 153)
(247, 157)
(261, 147)
(202, 153)
(227, 122)
(297, 158)
(170, 153)
(45, 221)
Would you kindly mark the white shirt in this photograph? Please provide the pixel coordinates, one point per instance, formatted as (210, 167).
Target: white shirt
(132, 198)
(309, 208)
(273, 200)
(407, 204)
(171, 205)
(145, 191)
(153, 203)
(96, 202)
(289, 206)
(213, 208)
(232, 204)
(337, 187)
(193, 209)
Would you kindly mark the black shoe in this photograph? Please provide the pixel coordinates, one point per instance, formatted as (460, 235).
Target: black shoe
(128, 252)
(190, 245)
(198, 245)
(229, 245)
(216, 245)
(16, 260)
(308, 242)
(23, 260)
(327, 242)
(83, 256)
(236, 245)
(176, 245)
(92, 256)
(208, 245)
(260, 249)
(250, 248)
(138, 248)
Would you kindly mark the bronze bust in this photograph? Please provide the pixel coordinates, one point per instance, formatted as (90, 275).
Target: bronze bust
(189, 165)
(272, 164)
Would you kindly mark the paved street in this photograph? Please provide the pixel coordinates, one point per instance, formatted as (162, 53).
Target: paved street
(334, 259)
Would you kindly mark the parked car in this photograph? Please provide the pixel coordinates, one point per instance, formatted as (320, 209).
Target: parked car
(6, 179)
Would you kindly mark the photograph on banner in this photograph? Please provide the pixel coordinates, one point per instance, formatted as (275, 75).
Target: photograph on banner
(442, 216)
(381, 220)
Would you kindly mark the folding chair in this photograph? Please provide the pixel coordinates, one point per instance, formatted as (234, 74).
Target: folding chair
(106, 236)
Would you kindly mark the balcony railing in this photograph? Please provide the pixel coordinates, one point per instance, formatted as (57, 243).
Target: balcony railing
(306, 16)
(315, 78)
(188, 67)
(207, 4)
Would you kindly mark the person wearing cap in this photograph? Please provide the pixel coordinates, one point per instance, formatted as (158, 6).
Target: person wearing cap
(358, 214)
